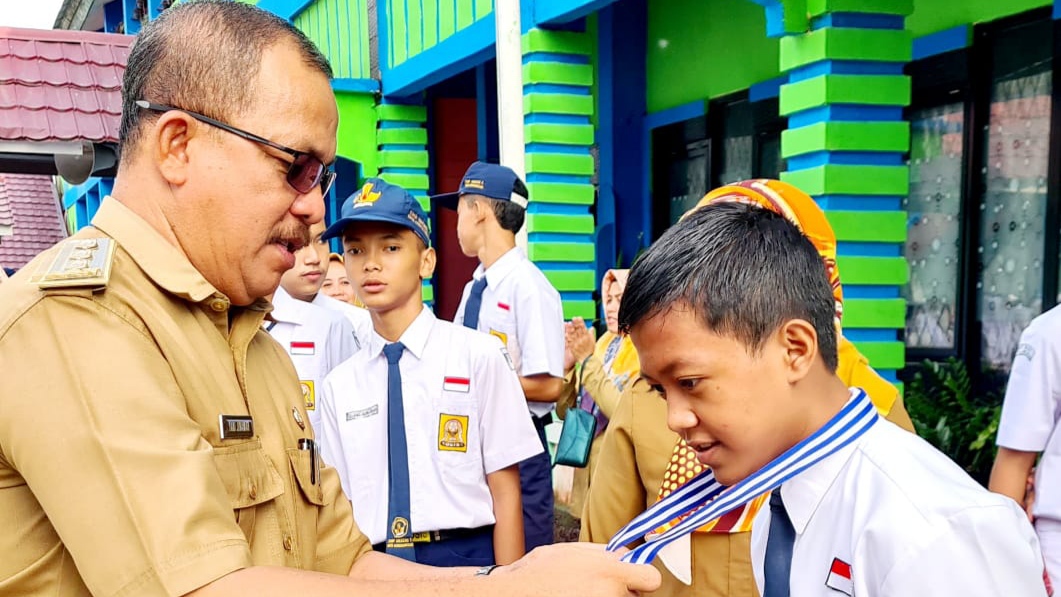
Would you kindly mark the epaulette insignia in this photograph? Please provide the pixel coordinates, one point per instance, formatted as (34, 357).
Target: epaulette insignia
(80, 262)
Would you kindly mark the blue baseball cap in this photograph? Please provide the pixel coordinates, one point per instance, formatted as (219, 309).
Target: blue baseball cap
(380, 201)
(489, 180)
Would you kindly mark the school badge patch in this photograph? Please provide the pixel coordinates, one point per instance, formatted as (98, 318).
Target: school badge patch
(452, 433)
(500, 336)
(308, 393)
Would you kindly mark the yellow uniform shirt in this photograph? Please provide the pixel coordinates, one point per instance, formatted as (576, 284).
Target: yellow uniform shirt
(114, 477)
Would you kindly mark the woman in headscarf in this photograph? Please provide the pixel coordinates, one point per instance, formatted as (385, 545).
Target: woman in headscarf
(596, 373)
(641, 461)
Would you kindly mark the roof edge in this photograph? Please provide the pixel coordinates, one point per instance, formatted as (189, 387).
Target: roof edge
(66, 35)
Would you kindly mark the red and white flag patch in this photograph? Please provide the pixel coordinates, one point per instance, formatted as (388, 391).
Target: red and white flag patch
(840, 577)
(456, 384)
(504, 306)
(305, 348)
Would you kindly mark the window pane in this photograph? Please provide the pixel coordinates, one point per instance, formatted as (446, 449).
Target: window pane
(688, 183)
(933, 236)
(737, 128)
(1013, 209)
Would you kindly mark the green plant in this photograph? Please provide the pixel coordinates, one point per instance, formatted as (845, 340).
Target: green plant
(950, 415)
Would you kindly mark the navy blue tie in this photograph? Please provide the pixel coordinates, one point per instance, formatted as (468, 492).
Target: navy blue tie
(777, 567)
(399, 534)
(475, 302)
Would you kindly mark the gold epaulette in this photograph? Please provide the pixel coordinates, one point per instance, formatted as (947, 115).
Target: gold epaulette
(80, 262)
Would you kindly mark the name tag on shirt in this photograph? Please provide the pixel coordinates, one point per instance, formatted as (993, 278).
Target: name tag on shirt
(236, 427)
(363, 413)
(456, 384)
(303, 348)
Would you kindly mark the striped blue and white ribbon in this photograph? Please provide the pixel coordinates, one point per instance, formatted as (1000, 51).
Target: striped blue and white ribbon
(714, 499)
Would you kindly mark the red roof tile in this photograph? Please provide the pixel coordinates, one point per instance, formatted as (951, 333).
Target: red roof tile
(30, 206)
(59, 85)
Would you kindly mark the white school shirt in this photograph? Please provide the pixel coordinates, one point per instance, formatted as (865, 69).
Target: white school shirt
(890, 516)
(464, 418)
(523, 309)
(317, 340)
(358, 317)
(1032, 408)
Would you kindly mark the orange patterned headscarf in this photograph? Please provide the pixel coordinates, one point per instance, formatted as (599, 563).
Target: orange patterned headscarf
(800, 209)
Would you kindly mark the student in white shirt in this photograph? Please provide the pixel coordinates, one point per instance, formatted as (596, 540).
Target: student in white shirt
(304, 281)
(457, 412)
(733, 319)
(316, 339)
(509, 297)
(1028, 428)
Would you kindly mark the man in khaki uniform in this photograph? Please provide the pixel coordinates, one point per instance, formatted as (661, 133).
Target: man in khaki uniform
(153, 439)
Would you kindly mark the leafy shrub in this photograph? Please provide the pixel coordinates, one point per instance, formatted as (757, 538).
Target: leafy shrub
(950, 415)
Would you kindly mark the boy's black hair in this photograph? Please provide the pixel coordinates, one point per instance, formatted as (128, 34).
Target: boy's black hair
(510, 216)
(742, 269)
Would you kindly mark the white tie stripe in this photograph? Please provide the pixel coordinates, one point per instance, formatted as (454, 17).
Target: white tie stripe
(714, 499)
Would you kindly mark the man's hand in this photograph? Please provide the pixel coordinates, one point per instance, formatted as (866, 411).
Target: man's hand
(577, 570)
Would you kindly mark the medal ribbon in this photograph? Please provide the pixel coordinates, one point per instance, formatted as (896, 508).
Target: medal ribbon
(704, 499)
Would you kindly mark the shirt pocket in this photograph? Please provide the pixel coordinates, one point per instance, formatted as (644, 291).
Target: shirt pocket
(250, 479)
(309, 481)
(456, 444)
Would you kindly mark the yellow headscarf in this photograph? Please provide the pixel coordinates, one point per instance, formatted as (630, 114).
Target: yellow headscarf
(617, 353)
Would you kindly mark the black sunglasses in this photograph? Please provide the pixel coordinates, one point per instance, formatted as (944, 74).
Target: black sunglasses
(304, 173)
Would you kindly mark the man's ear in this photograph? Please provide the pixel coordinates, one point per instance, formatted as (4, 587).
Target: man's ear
(427, 263)
(799, 343)
(169, 140)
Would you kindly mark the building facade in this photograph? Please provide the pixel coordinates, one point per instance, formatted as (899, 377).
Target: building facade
(924, 128)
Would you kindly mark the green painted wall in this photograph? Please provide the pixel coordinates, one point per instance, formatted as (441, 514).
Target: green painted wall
(357, 130)
(422, 24)
(701, 49)
(340, 30)
(931, 16)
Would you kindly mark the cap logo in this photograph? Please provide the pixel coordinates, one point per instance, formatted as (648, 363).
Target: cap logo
(368, 196)
(474, 183)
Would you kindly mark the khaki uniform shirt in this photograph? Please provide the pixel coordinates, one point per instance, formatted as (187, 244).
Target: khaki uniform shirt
(114, 479)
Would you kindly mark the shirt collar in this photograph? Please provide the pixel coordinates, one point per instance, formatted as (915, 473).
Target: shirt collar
(159, 260)
(288, 309)
(505, 265)
(414, 338)
(804, 493)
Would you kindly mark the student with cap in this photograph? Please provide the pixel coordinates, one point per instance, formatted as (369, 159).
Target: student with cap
(317, 339)
(425, 424)
(857, 505)
(509, 297)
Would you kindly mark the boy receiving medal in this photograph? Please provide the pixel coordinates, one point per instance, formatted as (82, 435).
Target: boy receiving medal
(746, 358)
